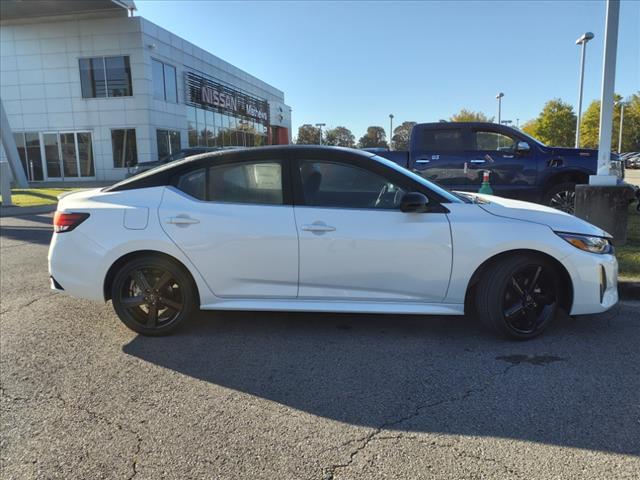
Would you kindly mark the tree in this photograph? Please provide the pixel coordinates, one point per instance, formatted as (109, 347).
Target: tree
(529, 127)
(308, 135)
(340, 137)
(556, 124)
(375, 137)
(465, 115)
(590, 125)
(401, 135)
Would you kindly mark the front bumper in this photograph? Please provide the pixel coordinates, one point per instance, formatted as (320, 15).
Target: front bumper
(595, 282)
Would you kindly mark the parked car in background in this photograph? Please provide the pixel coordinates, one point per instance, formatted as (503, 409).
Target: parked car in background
(631, 160)
(303, 228)
(185, 152)
(455, 155)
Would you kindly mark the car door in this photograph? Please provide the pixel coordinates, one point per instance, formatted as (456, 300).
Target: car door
(235, 222)
(440, 155)
(512, 171)
(356, 244)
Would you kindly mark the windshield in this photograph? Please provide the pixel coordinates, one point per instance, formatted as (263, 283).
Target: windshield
(432, 186)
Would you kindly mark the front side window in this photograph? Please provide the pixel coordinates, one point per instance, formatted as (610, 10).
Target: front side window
(123, 145)
(340, 185)
(441, 140)
(102, 77)
(494, 141)
(256, 183)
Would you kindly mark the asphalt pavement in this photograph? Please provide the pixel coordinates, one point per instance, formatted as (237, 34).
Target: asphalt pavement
(249, 395)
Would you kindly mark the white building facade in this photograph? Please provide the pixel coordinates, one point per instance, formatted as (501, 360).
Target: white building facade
(90, 94)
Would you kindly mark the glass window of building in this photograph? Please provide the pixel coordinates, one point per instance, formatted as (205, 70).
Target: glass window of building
(165, 85)
(123, 146)
(102, 77)
(168, 142)
(191, 127)
(158, 79)
(52, 154)
(29, 151)
(85, 154)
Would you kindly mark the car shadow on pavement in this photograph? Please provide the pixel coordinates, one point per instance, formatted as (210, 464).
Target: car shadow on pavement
(422, 374)
(19, 232)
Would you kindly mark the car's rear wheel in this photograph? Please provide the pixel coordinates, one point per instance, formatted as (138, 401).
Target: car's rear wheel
(519, 296)
(152, 295)
(561, 197)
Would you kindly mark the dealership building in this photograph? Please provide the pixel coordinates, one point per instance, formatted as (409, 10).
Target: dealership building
(90, 89)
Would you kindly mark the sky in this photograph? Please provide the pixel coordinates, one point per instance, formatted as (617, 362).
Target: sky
(353, 63)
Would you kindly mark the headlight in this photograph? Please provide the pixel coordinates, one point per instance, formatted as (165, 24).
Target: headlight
(588, 243)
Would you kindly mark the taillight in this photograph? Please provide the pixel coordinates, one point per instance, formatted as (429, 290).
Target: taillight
(65, 222)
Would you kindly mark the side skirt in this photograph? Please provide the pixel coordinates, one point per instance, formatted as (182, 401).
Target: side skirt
(337, 306)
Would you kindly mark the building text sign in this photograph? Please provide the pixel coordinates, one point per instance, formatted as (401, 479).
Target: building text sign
(204, 93)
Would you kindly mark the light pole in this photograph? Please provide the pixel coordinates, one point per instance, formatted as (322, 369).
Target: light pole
(320, 125)
(581, 41)
(390, 129)
(622, 104)
(499, 98)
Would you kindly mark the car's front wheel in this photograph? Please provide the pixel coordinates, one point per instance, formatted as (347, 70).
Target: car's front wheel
(519, 296)
(152, 295)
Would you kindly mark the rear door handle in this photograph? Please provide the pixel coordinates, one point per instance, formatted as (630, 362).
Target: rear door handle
(182, 220)
(422, 161)
(318, 228)
(478, 161)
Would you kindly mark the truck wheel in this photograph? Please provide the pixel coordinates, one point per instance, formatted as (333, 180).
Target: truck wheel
(561, 197)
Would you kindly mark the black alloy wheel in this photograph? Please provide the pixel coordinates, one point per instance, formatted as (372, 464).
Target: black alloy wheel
(530, 300)
(152, 296)
(519, 296)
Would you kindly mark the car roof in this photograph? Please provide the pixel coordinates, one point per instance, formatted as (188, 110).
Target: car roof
(160, 175)
(436, 125)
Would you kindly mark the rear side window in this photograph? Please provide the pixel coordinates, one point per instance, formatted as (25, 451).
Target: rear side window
(441, 140)
(194, 183)
(255, 182)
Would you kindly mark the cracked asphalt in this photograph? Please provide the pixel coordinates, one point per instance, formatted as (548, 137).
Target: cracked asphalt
(249, 395)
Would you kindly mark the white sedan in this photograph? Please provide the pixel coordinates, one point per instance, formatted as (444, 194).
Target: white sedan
(303, 228)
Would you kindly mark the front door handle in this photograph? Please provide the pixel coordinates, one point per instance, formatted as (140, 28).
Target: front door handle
(318, 228)
(182, 220)
(422, 161)
(478, 161)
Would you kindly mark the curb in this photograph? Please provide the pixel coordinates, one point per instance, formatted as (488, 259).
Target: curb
(19, 211)
(628, 290)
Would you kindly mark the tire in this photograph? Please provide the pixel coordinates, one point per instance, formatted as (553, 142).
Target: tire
(520, 310)
(153, 296)
(561, 197)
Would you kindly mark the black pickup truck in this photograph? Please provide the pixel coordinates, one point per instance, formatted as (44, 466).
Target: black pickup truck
(455, 155)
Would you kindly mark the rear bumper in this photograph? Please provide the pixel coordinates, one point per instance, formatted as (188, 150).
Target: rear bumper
(595, 282)
(75, 265)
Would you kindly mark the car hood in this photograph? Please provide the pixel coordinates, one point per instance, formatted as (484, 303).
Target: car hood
(532, 212)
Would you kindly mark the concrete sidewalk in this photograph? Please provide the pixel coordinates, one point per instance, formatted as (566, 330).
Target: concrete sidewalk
(15, 211)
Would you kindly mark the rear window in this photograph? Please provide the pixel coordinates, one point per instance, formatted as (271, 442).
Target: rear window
(440, 140)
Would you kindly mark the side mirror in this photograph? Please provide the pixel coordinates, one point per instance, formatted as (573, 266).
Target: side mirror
(414, 202)
(522, 148)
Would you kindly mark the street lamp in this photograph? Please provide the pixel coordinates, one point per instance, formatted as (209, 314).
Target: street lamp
(390, 129)
(320, 125)
(622, 105)
(581, 41)
(499, 98)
